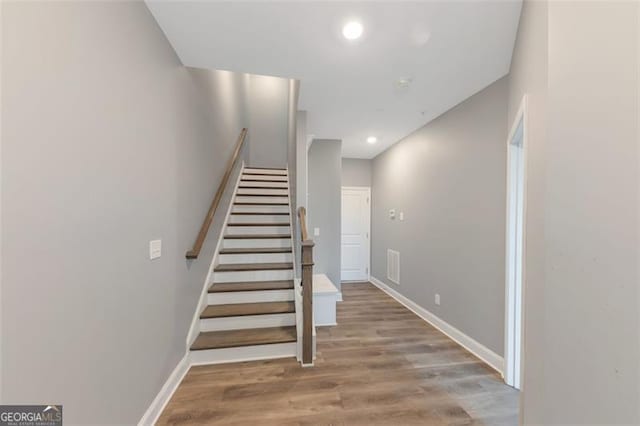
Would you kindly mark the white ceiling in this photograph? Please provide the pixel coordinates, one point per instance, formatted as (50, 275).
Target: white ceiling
(450, 50)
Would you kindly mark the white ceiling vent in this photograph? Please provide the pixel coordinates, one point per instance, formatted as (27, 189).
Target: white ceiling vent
(393, 266)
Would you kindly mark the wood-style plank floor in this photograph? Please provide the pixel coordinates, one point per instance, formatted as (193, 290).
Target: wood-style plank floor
(380, 365)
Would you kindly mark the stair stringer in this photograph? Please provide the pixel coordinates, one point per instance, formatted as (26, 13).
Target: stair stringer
(194, 329)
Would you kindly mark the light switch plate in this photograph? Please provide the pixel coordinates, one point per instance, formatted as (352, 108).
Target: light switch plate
(437, 299)
(401, 215)
(392, 214)
(155, 249)
(316, 232)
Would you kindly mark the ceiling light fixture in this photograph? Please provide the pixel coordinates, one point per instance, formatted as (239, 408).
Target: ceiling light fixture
(352, 30)
(404, 82)
(372, 139)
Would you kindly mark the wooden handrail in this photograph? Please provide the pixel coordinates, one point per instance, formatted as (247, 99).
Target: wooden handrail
(307, 288)
(202, 235)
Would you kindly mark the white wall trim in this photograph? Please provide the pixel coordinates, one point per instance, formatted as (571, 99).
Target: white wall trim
(494, 360)
(161, 400)
(510, 357)
(339, 297)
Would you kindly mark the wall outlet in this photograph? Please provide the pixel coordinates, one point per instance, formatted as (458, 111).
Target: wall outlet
(155, 249)
(392, 214)
(437, 299)
(316, 232)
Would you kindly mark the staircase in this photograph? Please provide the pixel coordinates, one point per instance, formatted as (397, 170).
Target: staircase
(249, 311)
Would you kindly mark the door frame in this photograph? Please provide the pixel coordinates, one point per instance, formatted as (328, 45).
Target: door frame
(366, 189)
(514, 376)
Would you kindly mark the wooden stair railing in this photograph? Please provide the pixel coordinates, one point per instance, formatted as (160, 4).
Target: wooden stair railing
(307, 288)
(204, 229)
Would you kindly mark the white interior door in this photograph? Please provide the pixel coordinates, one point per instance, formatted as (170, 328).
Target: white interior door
(356, 214)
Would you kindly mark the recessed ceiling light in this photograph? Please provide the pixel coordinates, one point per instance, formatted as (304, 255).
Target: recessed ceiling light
(352, 30)
(372, 139)
(404, 82)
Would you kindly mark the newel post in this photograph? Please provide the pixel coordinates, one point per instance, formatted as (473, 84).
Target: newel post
(307, 301)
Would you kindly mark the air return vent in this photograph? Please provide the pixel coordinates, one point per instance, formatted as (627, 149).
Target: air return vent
(393, 266)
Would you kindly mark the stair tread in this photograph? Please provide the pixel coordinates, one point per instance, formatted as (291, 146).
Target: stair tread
(232, 267)
(257, 250)
(261, 213)
(258, 224)
(251, 286)
(264, 168)
(263, 187)
(251, 173)
(255, 236)
(243, 309)
(256, 194)
(257, 203)
(247, 337)
(248, 179)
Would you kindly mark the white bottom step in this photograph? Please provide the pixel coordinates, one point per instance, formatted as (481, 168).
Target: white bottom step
(253, 218)
(247, 322)
(243, 276)
(255, 258)
(229, 297)
(244, 353)
(260, 209)
(256, 243)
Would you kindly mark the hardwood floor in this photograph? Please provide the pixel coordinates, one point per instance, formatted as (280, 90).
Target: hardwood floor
(381, 365)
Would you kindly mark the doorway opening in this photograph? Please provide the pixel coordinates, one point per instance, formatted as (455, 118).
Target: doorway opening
(516, 187)
(355, 233)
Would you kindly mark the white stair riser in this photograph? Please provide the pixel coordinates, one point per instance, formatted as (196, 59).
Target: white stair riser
(250, 297)
(247, 322)
(283, 185)
(255, 258)
(262, 177)
(247, 218)
(261, 200)
(253, 191)
(261, 209)
(238, 276)
(244, 353)
(256, 243)
(265, 171)
(257, 230)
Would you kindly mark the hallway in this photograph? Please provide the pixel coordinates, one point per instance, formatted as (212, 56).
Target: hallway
(380, 365)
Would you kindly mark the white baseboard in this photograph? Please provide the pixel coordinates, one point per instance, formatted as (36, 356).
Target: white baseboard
(161, 400)
(494, 360)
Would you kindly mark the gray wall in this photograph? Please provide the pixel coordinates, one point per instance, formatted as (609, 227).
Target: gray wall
(325, 201)
(302, 159)
(356, 172)
(269, 114)
(301, 177)
(581, 314)
(292, 146)
(449, 180)
(528, 75)
(108, 142)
